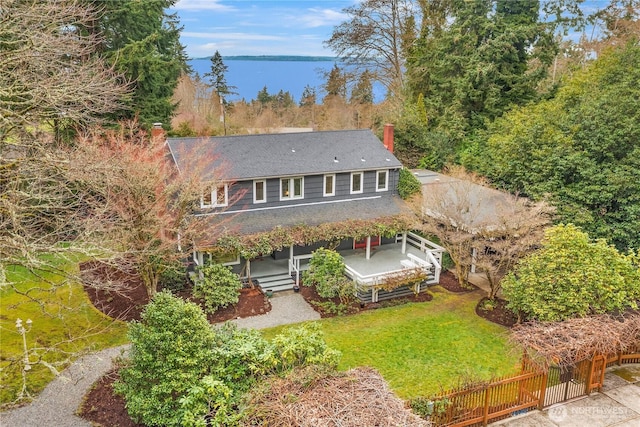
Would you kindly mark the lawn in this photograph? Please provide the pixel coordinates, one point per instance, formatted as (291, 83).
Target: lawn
(421, 348)
(65, 325)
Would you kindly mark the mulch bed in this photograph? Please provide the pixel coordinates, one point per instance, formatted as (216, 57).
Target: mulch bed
(102, 407)
(122, 295)
(499, 314)
(449, 281)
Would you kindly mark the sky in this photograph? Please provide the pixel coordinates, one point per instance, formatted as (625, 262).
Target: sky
(259, 27)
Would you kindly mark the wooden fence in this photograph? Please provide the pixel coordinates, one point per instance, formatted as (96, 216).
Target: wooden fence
(534, 388)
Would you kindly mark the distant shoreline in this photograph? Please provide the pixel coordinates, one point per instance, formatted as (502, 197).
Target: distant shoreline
(288, 58)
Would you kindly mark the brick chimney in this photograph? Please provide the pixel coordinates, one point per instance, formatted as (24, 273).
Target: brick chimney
(388, 137)
(157, 131)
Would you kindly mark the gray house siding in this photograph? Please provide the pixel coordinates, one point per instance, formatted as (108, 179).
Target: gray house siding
(313, 191)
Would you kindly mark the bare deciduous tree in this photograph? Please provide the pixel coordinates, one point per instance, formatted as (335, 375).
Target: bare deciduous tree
(141, 206)
(517, 230)
(47, 70)
(377, 33)
(480, 226)
(48, 80)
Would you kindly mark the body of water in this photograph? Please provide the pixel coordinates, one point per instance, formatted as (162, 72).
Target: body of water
(250, 76)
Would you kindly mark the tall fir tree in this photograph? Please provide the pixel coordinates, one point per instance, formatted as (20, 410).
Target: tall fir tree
(362, 93)
(475, 68)
(142, 41)
(217, 76)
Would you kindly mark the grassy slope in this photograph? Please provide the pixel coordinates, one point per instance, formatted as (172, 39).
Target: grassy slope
(65, 323)
(421, 348)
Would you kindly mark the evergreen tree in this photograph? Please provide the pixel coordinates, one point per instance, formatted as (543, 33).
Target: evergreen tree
(475, 68)
(580, 150)
(264, 97)
(217, 78)
(142, 41)
(308, 96)
(336, 85)
(362, 93)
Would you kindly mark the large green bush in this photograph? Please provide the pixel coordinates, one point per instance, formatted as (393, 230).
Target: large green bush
(181, 371)
(170, 353)
(304, 345)
(571, 276)
(218, 287)
(326, 273)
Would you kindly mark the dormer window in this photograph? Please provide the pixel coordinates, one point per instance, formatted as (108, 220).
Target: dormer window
(217, 197)
(291, 188)
(356, 182)
(382, 180)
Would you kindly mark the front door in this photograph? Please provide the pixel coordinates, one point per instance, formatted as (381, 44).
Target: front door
(359, 244)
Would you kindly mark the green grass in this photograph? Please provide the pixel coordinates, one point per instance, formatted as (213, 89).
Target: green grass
(65, 325)
(420, 348)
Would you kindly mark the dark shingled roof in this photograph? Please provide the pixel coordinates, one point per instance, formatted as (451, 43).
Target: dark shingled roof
(244, 157)
(258, 221)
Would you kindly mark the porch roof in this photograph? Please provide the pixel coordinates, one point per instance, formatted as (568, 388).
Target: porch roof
(258, 221)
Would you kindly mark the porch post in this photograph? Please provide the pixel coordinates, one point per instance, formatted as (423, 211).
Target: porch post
(248, 268)
(474, 257)
(290, 258)
(368, 256)
(404, 242)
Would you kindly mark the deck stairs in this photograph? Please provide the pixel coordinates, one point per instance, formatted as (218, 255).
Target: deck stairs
(275, 281)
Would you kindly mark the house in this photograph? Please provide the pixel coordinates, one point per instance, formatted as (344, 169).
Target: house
(278, 197)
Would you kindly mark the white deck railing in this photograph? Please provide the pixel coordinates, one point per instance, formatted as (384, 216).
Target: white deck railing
(432, 264)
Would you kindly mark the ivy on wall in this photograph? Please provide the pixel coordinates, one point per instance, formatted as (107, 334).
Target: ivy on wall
(254, 245)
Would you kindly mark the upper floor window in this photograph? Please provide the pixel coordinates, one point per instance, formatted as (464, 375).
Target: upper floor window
(329, 185)
(218, 196)
(356, 182)
(382, 180)
(291, 188)
(259, 191)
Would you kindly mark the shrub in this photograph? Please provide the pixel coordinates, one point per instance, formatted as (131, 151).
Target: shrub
(209, 403)
(571, 276)
(408, 184)
(170, 353)
(326, 273)
(218, 287)
(304, 345)
(174, 277)
(241, 355)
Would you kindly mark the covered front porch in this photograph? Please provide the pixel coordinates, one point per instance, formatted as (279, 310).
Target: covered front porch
(368, 266)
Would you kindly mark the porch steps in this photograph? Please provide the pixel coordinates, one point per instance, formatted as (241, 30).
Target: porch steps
(275, 282)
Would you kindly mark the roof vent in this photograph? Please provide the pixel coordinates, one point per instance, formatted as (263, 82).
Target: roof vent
(335, 160)
(388, 159)
(293, 150)
(363, 160)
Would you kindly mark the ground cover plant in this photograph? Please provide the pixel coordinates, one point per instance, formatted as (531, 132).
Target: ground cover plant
(420, 348)
(65, 326)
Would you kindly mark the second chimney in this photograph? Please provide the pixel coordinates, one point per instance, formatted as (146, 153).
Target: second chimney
(388, 137)
(157, 131)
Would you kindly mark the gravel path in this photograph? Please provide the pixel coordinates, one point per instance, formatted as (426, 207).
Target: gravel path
(59, 401)
(57, 404)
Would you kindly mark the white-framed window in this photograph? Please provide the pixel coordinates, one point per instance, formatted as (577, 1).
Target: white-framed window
(329, 187)
(218, 196)
(382, 180)
(259, 191)
(357, 179)
(292, 188)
